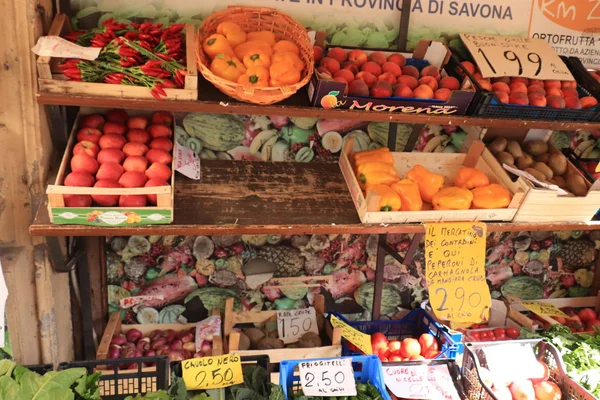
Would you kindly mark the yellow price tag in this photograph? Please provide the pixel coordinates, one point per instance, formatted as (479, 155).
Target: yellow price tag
(356, 337)
(212, 372)
(543, 309)
(455, 270)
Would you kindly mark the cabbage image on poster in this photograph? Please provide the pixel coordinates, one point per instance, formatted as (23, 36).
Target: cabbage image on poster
(571, 27)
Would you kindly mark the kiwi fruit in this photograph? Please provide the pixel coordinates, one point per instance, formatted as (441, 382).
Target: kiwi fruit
(498, 145)
(535, 147)
(524, 162)
(576, 184)
(505, 158)
(544, 169)
(514, 148)
(536, 174)
(542, 158)
(558, 163)
(559, 181)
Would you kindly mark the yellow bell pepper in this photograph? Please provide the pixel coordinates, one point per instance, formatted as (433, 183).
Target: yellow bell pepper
(491, 196)
(252, 47)
(376, 177)
(283, 74)
(428, 182)
(290, 58)
(255, 76)
(452, 198)
(233, 32)
(377, 155)
(257, 59)
(470, 178)
(408, 191)
(216, 44)
(367, 153)
(227, 67)
(266, 36)
(390, 201)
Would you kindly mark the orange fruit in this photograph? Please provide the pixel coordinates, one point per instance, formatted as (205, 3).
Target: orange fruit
(410, 347)
(427, 343)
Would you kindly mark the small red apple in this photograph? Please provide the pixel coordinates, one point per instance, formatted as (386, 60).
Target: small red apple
(80, 179)
(89, 135)
(91, 121)
(77, 200)
(135, 163)
(86, 147)
(161, 118)
(161, 156)
(138, 135)
(132, 200)
(118, 116)
(106, 200)
(84, 163)
(114, 127)
(133, 179)
(135, 149)
(152, 183)
(109, 171)
(161, 144)
(138, 122)
(112, 141)
(158, 171)
(158, 130)
(111, 155)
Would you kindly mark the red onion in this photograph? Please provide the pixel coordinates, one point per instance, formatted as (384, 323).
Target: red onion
(113, 351)
(158, 342)
(133, 335)
(138, 353)
(171, 336)
(143, 344)
(150, 353)
(176, 355)
(118, 339)
(206, 348)
(155, 335)
(168, 332)
(198, 355)
(133, 366)
(186, 354)
(190, 346)
(188, 337)
(176, 345)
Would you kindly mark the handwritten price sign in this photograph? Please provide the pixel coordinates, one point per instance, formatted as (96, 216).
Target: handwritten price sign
(334, 377)
(515, 56)
(543, 309)
(212, 372)
(292, 324)
(420, 382)
(357, 338)
(455, 270)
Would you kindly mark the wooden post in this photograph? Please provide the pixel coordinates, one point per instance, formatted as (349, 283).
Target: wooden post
(38, 308)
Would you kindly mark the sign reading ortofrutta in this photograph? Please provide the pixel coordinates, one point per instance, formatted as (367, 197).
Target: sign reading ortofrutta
(515, 56)
(455, 270)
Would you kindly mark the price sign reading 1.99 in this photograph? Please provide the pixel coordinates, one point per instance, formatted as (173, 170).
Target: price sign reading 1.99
(455, 270)
(332, 377)
(515, 56)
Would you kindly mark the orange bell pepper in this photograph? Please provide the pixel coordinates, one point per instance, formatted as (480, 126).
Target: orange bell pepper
(233, 32)
(366, 153)
(428, 182)
(409, 194)
(252, 47)
(227, 67)
(216, 44)
(390, 201)
(257, 59)
(491, 196)
(255, 76)
(370, 178)
(286, 45)
(376, 166)
(266, 36)
(381, 155)
(290, 58)
(283, 74)
(470, 178)
(452, 198)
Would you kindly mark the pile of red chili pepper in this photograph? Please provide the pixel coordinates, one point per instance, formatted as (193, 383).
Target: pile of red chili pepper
(146, 54)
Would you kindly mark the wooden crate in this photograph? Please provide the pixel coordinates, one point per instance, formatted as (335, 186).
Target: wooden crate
(52, 81)
(439, 163)
(162, 213)
(544, 205)
(232, 318)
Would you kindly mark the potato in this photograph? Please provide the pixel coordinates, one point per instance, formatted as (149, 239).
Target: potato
(535, 147)
(559, 181)
(244, 342)
(576, 184)
(310, 339)
(558, 163)
(524, 162)
(544, 169)
(536, 174)
(255, 335)
(514, 148)
(498, 145)
(505, 158)
(542, 158)
(269, 344)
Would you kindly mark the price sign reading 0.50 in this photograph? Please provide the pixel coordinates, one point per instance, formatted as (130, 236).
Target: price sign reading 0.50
(293, 324)
(212, 372)
(327, 378)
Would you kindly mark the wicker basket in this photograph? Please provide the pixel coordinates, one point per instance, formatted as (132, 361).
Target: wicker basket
(252, 19)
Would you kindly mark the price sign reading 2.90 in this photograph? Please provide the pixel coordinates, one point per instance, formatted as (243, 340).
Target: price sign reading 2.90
(334, 377)
(212, 372)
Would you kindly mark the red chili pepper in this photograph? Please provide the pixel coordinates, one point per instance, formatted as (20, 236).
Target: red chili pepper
(145, 45)
(125, 63)
(160, 90)
(155, 32)
(169, 83)
(134, 25)
(153, 64)
(175, 28)
(145, 26)
(145, 36)
(155, 94)
(97, 43)
(131, 35)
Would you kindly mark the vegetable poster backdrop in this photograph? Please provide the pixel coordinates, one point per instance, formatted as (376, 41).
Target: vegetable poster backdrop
(190, 275)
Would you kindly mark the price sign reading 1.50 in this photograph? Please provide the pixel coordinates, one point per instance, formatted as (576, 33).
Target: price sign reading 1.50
(293, 324)
(212, 372)
(333, 377)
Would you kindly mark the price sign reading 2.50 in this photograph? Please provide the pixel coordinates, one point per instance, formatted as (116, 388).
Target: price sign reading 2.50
(334, 377)
(212, 372)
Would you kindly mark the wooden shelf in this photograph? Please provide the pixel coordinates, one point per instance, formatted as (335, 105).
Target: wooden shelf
(249, 197)
(213, 101)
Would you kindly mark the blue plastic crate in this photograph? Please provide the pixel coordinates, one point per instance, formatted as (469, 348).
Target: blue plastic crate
(366, 369)
(413, 325)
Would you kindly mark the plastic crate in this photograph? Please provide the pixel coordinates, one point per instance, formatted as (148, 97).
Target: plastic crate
(366, 369)
(413, 325)
(474, 359)
(40, 369)
(116, 384)
(487, 105)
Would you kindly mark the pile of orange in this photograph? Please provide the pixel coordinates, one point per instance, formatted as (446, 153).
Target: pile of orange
(253, 58)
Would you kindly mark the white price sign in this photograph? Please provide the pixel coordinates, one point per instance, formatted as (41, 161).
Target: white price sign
(292, 324)
(500, 360)
(421, 382)
(334, 377)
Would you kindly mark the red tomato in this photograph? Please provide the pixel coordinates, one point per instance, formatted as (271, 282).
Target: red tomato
(499, 332)
(387, 353)
(383, 359)
(512, 333)
(394, 345)
(427, 342)
(475, 336)
(395, 358)
(590, 325)
(560, 320)
(587, 314)
(379, 341)
(486, 336)
(501, 337)
(352, 347)
(431, 354)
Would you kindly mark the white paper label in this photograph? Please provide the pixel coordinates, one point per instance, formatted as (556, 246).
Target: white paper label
(187, 162)
(531, 178)
(54, 46)
(129, 302)
(292, 324)
(420, 382)
(334, 377)
(3, 297)
(502, 365)
(206, 329)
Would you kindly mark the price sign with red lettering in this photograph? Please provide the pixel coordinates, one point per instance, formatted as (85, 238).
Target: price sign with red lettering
(420, 382)
(515, 56)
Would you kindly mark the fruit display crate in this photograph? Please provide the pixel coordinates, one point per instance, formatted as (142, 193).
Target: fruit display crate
(413, 325)
(117, 384)
(52, 81)
(330, 94)
(248, 318)
(94, 215)
(440, 163)
(474, 359)
(367, 369)
(545, 205)
(115, 327)
(486, 104)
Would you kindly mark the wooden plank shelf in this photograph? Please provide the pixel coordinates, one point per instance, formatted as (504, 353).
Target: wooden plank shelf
(249, 197)
(210, 100)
